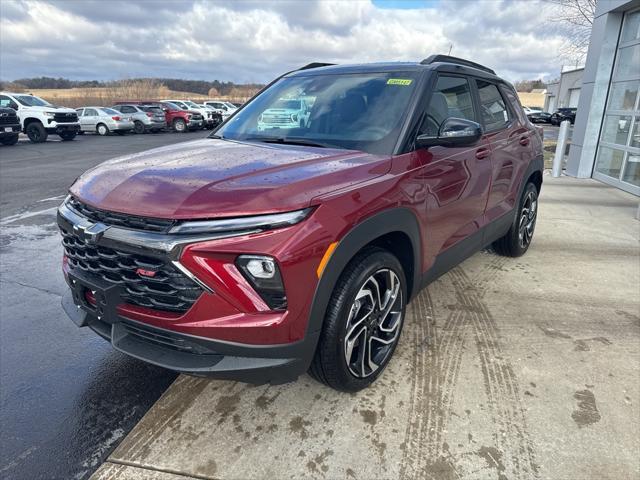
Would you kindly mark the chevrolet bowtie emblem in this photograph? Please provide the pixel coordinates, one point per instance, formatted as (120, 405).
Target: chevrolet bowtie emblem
(91, 233)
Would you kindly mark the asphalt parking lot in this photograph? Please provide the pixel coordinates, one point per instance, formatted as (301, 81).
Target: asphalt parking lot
(507, 368)
(66, 398)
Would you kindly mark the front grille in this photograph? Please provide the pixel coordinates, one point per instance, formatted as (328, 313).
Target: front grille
(196, 117)
(65, 117)
(280, 119)
(120, 219)
(168, 289)
(9, 119)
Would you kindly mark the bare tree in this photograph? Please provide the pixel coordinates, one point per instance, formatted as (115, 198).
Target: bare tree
(576, 19)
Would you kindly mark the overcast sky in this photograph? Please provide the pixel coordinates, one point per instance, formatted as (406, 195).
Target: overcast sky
(253, 41)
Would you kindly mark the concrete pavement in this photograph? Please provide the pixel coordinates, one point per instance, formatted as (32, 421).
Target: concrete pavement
(507, 369)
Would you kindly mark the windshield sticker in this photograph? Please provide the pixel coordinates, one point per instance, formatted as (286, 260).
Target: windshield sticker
(399, 81)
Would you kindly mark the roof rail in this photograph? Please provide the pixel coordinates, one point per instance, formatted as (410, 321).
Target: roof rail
(315, 65)
(458, 61)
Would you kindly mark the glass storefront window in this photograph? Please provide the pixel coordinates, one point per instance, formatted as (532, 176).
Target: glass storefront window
(628, 62)
(631, 29)
(635, 134)
(623, 95)
(616, 129)
(632, 170)
(610, 161)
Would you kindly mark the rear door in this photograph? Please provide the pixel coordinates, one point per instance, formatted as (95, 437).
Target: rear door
(89, 120)
(457, 178)
(507, 133)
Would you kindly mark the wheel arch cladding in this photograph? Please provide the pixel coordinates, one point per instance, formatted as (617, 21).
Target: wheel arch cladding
(395, 230)
(29, 120)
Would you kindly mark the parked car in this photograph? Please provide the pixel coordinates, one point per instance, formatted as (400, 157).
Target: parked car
(9, 126)
(224, 108)
(143, 121)
(102, 120)
(562, 114)
(210, 119)
(176, 118)
(260, 254)
(285, 113)
(539, 117)
(39, 118)
(529, 110)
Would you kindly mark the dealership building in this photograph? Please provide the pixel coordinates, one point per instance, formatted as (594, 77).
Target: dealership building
(605, 143)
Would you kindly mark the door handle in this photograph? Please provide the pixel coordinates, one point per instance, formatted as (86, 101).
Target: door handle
(524, 141)
(482, 153)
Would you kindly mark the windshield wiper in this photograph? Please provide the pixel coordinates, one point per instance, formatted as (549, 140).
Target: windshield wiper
(288, 141)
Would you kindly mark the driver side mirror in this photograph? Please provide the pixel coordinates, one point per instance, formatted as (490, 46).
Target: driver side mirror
(454, 132)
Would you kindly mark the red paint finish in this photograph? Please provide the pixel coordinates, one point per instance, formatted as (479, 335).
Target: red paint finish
(453, 192)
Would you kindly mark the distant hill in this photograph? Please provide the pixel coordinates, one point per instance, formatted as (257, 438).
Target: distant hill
(201, 87)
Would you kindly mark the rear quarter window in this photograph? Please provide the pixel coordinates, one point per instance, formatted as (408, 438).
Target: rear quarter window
(512, 98)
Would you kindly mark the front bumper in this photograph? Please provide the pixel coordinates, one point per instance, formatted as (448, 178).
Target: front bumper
(9, 130)
(195, 124)
(192, 354)
(64, 128)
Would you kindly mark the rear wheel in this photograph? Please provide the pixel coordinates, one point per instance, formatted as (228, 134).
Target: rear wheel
(9, 140)
(36, 132)
(138, 126)
(102, 129)
(517, 240)
(363, 322)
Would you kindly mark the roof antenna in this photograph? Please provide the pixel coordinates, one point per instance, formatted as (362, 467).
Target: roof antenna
(450, 48)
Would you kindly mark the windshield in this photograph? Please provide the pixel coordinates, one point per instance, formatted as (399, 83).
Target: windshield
(230, 105)
(192, 104)
(353, 111)
(31, 101)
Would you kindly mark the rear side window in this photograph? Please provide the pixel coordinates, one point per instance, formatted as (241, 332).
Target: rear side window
(515, 103)
(451, 98)
(493, 109)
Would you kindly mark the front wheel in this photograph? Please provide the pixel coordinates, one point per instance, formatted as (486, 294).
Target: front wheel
(36, 132)
(180, 125)
(363, 322)
(517, 240)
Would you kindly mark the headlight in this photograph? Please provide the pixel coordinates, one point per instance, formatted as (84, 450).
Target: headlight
(294, 117)
(49, 114)
(239, 224)
(263, 274)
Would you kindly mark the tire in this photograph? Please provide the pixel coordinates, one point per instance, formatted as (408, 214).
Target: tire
(138, 127)
(517, 240)
(102, 129)
(68, 136)
(337, 360)
(179, 125)
(9, 140)
(36, 132)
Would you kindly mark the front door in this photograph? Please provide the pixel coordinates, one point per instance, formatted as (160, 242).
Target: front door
(457, 179)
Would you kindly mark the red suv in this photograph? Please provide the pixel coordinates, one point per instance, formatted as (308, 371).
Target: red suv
(261, 253)
(177, 119)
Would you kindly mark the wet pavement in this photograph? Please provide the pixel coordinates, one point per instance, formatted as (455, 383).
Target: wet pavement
(66, 397)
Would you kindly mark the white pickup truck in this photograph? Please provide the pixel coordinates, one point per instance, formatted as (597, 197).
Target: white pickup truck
(38, 118)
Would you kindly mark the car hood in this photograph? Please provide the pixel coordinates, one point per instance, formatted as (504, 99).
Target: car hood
(212, 178)
(49, 108)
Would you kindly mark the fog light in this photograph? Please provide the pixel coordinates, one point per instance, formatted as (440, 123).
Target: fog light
(261, 267)
(263, 274)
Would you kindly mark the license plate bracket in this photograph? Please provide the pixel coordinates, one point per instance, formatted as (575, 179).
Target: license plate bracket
(106, 295)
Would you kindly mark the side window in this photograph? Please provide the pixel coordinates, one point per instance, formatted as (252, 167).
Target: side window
(493, 109)
(7, 102)
(451, 98)
(90, 112)
(79, 111)
(127, 109)
(515, 103)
